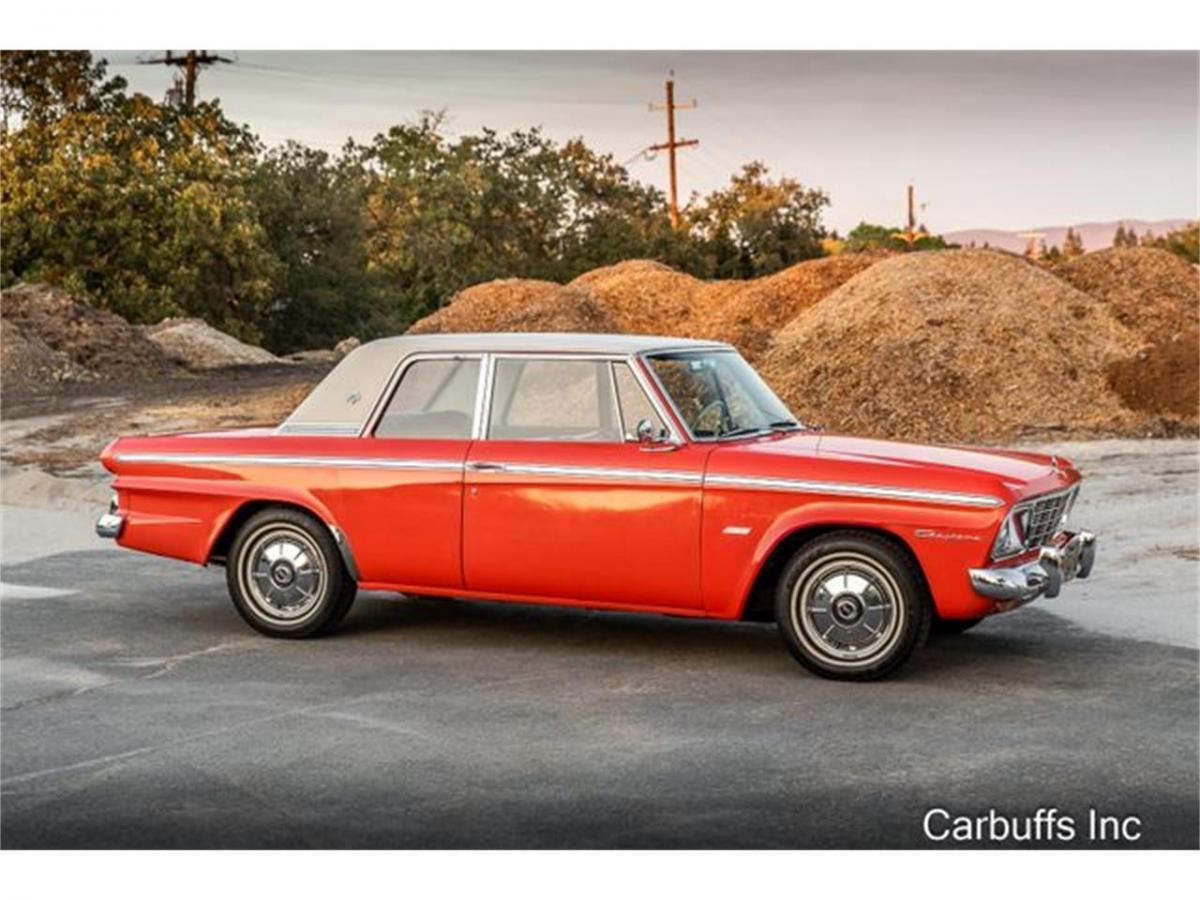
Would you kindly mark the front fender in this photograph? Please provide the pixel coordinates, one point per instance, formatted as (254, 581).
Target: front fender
(946, 542)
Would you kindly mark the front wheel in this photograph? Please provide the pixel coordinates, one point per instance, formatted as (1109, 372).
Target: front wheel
(286, 577)
(852, 605)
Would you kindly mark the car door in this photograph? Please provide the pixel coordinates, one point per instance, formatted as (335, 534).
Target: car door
(562, 500)
(402, 501)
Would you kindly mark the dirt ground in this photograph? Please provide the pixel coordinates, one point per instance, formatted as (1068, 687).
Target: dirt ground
(62, 428)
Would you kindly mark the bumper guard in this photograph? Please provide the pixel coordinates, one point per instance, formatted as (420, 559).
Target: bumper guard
(1043, 576)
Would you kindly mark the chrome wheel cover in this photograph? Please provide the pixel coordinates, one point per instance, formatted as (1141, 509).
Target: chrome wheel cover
(846, 609)
(282, 573)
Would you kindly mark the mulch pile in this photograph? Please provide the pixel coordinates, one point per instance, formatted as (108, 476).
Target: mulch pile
(956, 345)
(752, 314)
(971, 345)
(1157, 296)
(518, 304)
(50, 337)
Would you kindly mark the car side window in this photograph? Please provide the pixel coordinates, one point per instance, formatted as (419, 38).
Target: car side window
(553, 400)
(434, 399)
(634, 404)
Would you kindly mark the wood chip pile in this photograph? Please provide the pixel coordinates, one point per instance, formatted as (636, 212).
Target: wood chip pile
(755, 311)
(957, 345)
(517, 304)
(971, 345)
(1157, 295)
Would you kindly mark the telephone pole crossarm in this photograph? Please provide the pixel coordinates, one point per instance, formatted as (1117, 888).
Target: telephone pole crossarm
(671, 144)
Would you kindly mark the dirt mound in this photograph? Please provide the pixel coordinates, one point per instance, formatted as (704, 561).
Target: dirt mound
(518, 304)
(969, 345)
(645, 297)
(197, 345)
(53, 337)
(753, 313)
(1154, 293)
(1157, 295)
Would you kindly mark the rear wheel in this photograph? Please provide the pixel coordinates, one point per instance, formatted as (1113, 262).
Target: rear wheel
(286, 577)
(852, 605)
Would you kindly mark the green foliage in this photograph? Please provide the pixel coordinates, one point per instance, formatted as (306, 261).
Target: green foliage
(758, 225)
(1072, 244)
(310, 209)
(154, 211)
(1123, 237)
(39, 86)
(141, 208)
(1183, 242)
(867, 236)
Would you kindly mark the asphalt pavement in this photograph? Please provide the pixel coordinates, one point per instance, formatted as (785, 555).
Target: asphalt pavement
(138, 711)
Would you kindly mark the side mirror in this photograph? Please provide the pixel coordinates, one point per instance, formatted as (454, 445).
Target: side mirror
(648, 434)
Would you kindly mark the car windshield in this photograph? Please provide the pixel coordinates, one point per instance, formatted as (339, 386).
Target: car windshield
(718, 395)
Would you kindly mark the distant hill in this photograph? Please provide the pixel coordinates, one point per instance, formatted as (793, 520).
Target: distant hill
(1095, 235)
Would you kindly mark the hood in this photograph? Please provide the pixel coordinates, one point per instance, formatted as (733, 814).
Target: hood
(1009, 474)
(1012, 467)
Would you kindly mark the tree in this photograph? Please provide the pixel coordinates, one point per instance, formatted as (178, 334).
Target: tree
(867, 236)
(443, 214)
(1072, 245)
(38, 86)
(758, 225)
(1183, 242)
(1119, 236)
(310, 207)
(140, 208)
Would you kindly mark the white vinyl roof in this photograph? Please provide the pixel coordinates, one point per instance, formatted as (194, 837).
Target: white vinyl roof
(343, 401)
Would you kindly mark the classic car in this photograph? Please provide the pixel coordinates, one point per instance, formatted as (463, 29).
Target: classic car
(646, 474)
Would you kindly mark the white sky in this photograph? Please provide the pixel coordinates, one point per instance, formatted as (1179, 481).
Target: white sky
(1003, 140)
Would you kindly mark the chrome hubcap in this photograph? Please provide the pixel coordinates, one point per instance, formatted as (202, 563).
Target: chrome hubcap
(846, 608)
(282, 573)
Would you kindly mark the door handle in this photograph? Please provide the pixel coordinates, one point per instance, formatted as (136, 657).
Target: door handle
(485, 467)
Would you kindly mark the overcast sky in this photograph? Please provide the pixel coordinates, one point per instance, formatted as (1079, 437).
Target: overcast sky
(1005, 140)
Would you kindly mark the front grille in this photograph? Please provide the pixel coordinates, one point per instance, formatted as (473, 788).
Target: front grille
(1043, 517)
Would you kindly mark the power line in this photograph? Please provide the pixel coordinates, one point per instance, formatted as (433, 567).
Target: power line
(672, 144)
(191, 63)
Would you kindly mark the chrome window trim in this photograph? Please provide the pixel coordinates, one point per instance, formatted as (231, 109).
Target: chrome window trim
(652, 395)
(850, 489)
(629, 358)
(319, 429)
(647, 355)
(393, 382)
(616, 400)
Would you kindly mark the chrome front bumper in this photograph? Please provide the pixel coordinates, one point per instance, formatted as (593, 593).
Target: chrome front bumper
(1043, 576)
(110, 524)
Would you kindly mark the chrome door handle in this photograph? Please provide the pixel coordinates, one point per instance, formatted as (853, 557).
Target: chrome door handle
(485, 467)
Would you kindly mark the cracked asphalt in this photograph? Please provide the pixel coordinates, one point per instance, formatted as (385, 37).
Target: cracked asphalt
(139, 711)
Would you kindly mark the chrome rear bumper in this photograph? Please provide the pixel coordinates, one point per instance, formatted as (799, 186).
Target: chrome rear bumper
(1043, 576)
(110, 524)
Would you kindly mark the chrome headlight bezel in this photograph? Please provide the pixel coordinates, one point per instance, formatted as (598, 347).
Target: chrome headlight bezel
(1010, 539)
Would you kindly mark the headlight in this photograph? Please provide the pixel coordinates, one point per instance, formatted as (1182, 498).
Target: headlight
(1011, 538)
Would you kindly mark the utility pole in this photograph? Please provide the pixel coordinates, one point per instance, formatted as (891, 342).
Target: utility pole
(910, 234)
(670, 146)
(191, 63)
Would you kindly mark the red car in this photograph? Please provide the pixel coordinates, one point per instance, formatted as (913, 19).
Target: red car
(611, 472)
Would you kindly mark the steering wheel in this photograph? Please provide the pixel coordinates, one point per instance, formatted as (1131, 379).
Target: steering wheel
(717, 406)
